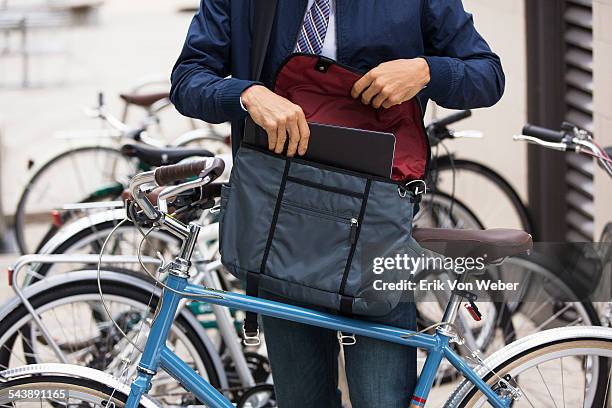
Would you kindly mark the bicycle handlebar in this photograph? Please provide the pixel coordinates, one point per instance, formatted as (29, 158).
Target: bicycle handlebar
(452, 118)
(438, 131)
(206, 171)
(569, 138)
(212, 167)
(547, 135)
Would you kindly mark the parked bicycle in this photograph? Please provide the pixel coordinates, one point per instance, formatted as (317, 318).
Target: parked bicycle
(513, 376)
(502, 327)
(98, 169)
(465, 193)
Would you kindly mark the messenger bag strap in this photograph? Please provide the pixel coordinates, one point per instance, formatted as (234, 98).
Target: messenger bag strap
(263, 18)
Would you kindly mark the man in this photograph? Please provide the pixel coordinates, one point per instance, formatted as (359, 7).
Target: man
(420, 48)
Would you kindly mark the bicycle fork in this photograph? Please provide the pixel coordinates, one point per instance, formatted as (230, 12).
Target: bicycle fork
(156, 342)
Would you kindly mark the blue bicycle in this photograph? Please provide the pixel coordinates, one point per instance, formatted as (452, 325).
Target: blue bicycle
(568, 367)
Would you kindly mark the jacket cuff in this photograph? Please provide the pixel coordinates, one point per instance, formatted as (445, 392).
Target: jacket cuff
(442, 81)
(229, 99)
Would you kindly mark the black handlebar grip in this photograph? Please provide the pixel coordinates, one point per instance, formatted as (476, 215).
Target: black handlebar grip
(548, 135)
(128, 150)
(212, 167)
(167, 174)
(453, 118)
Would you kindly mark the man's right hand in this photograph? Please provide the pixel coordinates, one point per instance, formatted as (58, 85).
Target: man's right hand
(279, 117)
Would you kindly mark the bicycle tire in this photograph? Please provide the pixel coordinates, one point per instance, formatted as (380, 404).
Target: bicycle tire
(267, 389)
(446, 163)
(215, 144)
(88, 288)
(542, 271)
(19, 222)
(105, 395)
(470, 396)
(460, 217)
(74, 241)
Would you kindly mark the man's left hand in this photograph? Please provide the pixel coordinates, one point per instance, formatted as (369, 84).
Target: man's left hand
(392, 83)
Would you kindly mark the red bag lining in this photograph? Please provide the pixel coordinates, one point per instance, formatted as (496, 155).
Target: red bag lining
(322, 88)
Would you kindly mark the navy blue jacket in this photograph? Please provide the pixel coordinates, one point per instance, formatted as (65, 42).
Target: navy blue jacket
(465, 73)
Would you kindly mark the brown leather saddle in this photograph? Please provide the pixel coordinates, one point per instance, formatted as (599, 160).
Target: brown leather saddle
(492, 245)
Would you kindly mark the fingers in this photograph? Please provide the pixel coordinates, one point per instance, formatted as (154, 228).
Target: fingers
(282, 119)
(373, 90)
(388, 103)
(370, 87)
(281, 137)
(299, 134)
(294, 137)
(379, 100)
(362, 84)
(304, 134)
(271, 131)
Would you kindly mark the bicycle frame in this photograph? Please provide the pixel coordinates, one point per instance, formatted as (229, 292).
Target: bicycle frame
(177, 287)
(156, 354)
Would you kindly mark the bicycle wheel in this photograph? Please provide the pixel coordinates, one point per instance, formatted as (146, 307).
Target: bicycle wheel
(547, 299)
(538, 307)
(125, 241)
(79, 392)
(89, 240)
(84, 173)
(483, 190)
(73, 313)
(567, 373)
(440, 210)
(214, 144)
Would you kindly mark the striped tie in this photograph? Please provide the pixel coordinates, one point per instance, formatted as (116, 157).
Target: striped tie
(313, 30)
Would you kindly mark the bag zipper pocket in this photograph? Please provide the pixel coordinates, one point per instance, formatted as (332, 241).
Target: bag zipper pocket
(351, 221)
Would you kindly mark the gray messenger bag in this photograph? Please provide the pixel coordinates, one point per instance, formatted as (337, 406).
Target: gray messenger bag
(307, 231)
(310, 233)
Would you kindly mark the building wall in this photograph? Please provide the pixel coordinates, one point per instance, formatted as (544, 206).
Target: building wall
(502, 23)
(602, 60)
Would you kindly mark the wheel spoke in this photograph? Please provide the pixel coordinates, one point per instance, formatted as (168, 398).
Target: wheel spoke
(546, 385)
(562, 381)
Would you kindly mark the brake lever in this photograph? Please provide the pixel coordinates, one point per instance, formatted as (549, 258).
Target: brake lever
(534, 140)
(468, 134)
(91, 112)
(172, 191)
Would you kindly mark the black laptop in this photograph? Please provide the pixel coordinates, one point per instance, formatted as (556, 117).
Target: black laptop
(364, 151)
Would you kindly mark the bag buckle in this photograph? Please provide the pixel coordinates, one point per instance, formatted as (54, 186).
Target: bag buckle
(250, 340)
(416, 187)
(346, 339)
